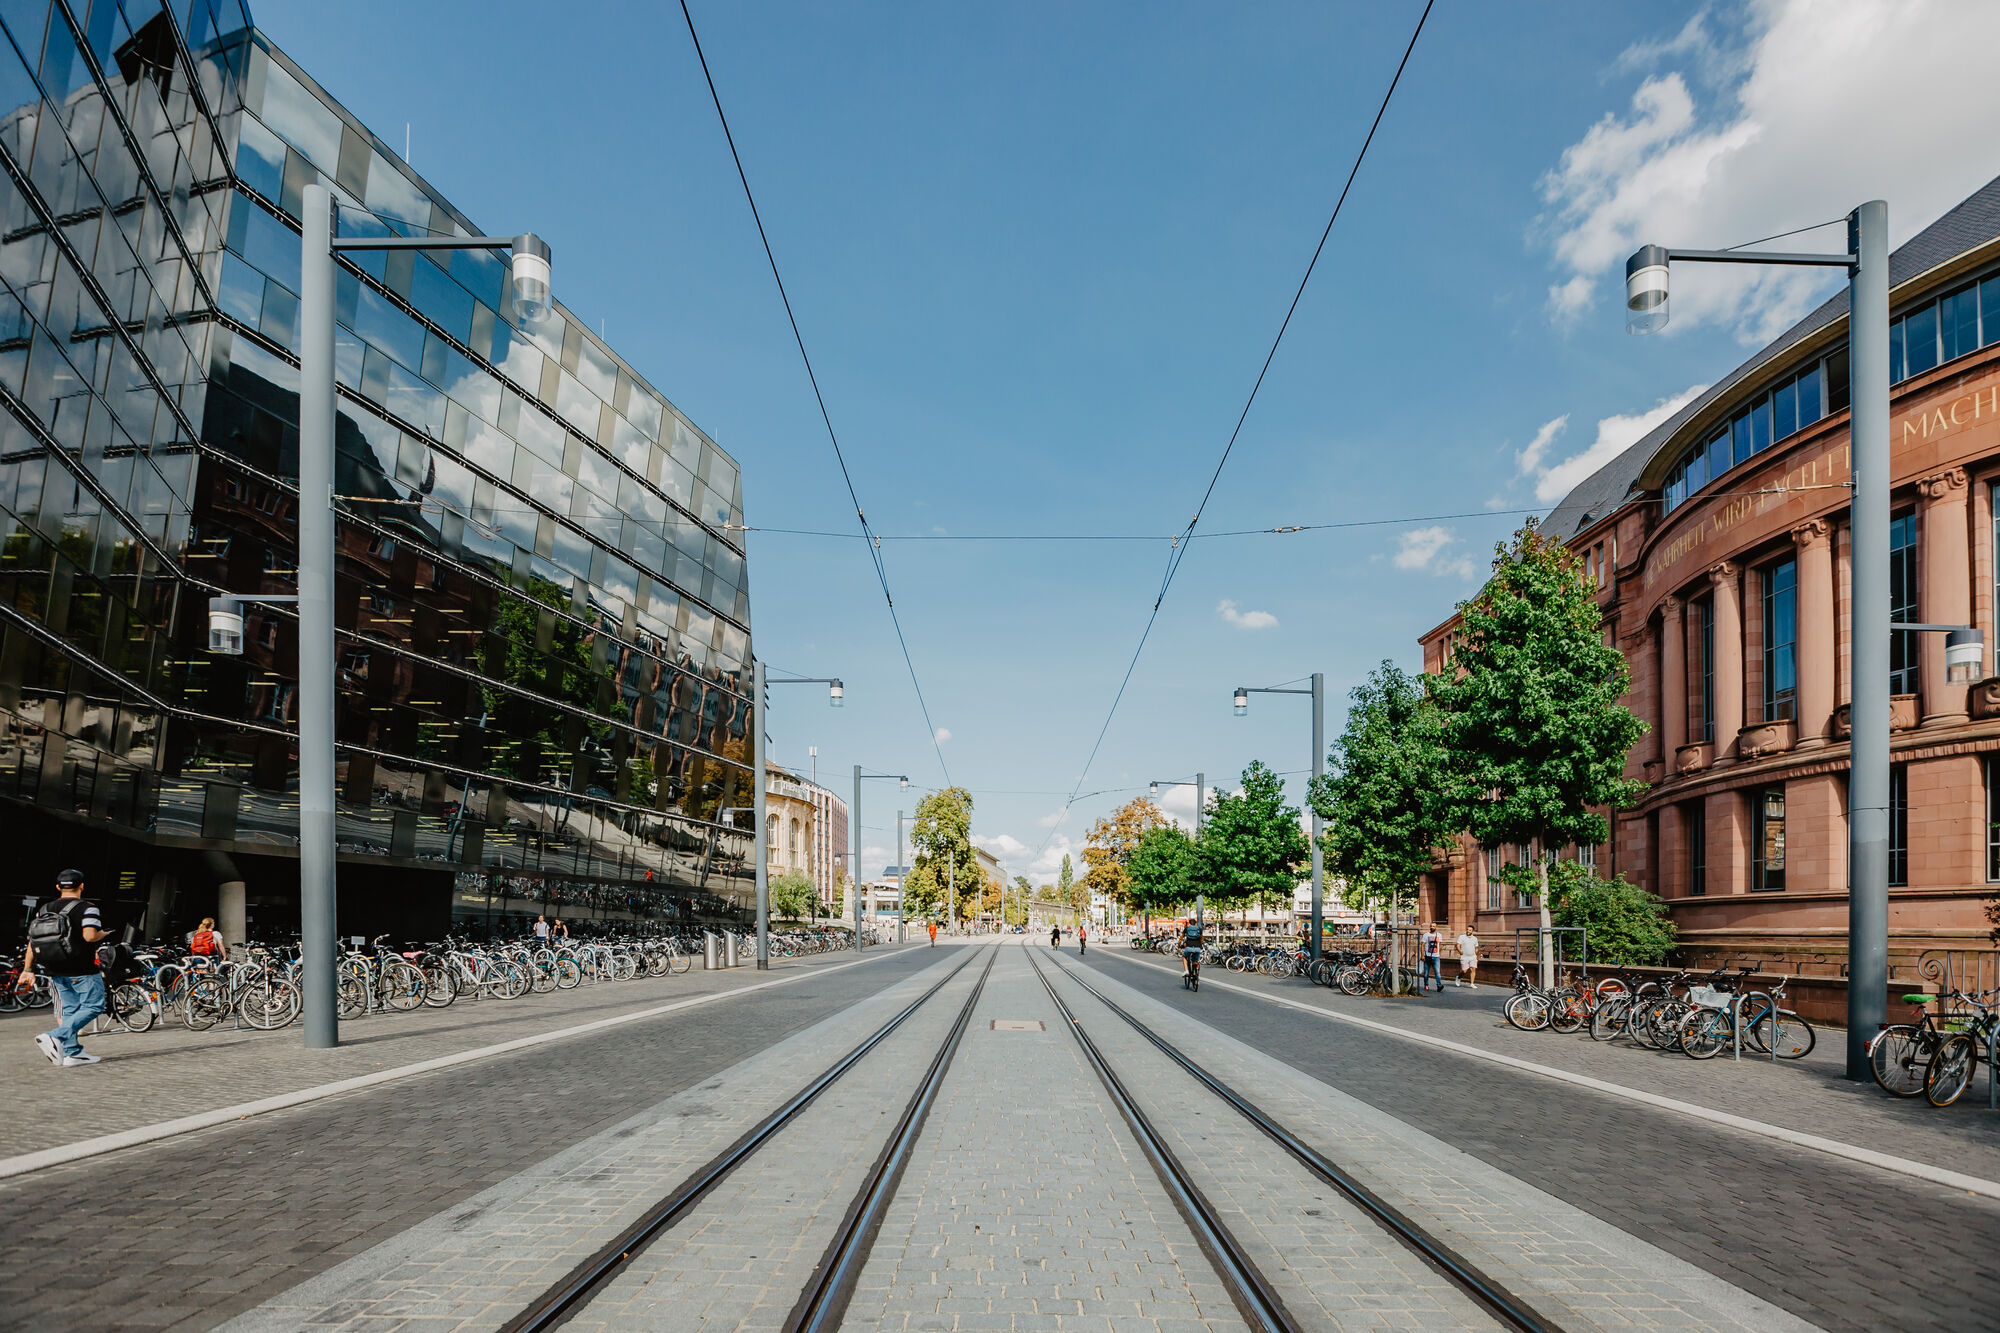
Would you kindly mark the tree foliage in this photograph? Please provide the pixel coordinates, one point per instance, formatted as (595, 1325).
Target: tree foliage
(1534, 734)
(1383, 799)
(1163, 871)
(1627, 926)
(1110, 847)
(941, 840)
(793, 895)
(1251, 843)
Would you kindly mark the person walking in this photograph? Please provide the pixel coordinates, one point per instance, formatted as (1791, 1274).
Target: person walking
(933, 934)
(1055, 937)
(1082, 938)
(62, 938)
(1468, 959)
(1433, 964)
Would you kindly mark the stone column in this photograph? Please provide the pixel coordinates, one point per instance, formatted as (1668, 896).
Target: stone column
(1728, 669)
(1815, 648)
(1673, 682)
(1671, 855)
(1944, 590)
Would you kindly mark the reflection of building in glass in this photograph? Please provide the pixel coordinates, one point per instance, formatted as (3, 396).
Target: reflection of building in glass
(541, 603)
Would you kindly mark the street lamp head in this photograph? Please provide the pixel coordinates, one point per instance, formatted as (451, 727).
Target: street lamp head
(1964, 655)
(836, 694)
(905, 784)
(1646, 290)
(1153, 790)
(225, 626)
(1242, 701)
(529, 271)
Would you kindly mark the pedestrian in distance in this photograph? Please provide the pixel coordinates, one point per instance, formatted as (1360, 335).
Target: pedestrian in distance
(559, 930)
(933, 934)
(1082, 938)
(1468, 959)
(62, 939)
(542, 929)
(1055, 937)
(205, 941)
(1433, 944)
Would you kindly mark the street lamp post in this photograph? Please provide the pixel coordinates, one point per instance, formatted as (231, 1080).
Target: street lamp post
(1869, 624)
(1318, 693)
(856, 820)
(1200, 785)
(529, 274)
(836, 694)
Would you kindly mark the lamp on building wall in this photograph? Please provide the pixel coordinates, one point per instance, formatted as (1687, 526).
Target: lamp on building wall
(1646, 290)
(530, 273)
(1964, 649)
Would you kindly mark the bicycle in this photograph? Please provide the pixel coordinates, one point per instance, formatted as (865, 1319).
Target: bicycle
(1951, 1069)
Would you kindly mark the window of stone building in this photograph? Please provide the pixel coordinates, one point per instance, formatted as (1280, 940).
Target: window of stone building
(1992, 823)
(1524, 897)
(1494, 887)
(1903, 602)
(1586, 856)
(1781, 634)
(1767, 871)
(1705, 640)
(1899, 823)
(1694, 819)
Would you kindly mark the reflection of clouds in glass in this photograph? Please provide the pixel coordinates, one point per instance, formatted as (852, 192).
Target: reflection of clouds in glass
(299, 118)
(391, 194)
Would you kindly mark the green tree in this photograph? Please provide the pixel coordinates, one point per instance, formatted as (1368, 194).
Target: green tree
(1534, 734)
(1627, 926)
(941, 839)
(1162, 871)
(1382, 800)
(1110, 845)
(1251, 843)
(793, 896)
(1066, 890)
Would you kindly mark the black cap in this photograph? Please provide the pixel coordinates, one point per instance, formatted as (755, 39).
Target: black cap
(69, 879)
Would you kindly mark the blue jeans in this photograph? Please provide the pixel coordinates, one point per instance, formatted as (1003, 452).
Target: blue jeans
(1432, 972)
(78, 1000)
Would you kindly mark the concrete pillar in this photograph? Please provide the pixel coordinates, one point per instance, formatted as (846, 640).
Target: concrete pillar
(1672, 858)
(1673, 682)
(1729, 832)
(1728, 670)
(230, 913)
(1816, 650)
(1944, 587)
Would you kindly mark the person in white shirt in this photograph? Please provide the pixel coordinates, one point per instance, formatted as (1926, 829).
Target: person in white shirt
(1468, 959)
(1433, 944)
(542, 929)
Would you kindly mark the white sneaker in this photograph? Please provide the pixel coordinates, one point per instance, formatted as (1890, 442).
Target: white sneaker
(47, 1041)
(72, 1061)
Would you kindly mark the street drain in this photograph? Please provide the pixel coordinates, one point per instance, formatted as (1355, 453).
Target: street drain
(1019, 1025)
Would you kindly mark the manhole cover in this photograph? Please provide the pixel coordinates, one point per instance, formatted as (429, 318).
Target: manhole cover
(1019, 1025)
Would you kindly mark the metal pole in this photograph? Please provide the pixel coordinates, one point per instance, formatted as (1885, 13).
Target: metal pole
(854, 871)
(1319, 768)
(1868, 819)
(902, 882)
(951, 878)
(757, 701)
(319, 918)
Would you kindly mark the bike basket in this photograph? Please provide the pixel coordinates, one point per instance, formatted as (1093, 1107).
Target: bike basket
(1708, 997)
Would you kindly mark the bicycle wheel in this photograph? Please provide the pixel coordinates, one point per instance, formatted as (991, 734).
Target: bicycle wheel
(1352, 980)
(678, 960)
(404, 987)
(1566, 1012)
(1529, 1011)
(1704, 1032)
(1608, 1020)
(1950, 1071)
(205, 1003)
(1794, 1037)
(1898, 1059)
(350, 997)
(267, 1004)
(131, 1006)
(439, 988)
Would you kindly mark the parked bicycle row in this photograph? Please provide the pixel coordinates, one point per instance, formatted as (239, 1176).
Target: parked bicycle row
(261, 987)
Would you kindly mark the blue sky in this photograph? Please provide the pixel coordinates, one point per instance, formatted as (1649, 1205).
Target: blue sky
(1038, 254)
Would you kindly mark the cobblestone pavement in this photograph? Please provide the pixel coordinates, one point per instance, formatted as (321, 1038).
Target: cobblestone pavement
(1840, 1244)
(1316, 1248)
(169, 1072)
(1027, 1204)
(187, 1232)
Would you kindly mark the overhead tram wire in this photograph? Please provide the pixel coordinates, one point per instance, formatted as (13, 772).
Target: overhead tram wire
(874, 548)
(1182, 542)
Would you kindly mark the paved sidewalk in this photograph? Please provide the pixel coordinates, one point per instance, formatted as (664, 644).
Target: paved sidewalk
(1578, 1272)
(1812, 1096)
(1027, 1205)
(170, 1072)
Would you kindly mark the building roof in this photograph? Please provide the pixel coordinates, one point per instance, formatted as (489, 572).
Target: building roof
(1973, 223)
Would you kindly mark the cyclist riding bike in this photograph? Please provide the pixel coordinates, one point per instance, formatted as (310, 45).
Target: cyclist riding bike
(1191, 954)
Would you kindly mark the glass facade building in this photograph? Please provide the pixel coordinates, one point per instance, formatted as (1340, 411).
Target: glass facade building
(542, 609)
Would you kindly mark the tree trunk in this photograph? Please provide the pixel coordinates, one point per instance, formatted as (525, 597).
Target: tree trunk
(1548, 938)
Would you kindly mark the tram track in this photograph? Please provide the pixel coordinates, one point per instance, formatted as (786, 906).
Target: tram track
(1252, 1293)
(834, 1277)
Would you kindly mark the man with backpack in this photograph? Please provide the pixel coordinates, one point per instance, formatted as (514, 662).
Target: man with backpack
(63, 938)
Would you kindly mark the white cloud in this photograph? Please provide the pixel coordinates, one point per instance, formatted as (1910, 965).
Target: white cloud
(943, 735)
(1054, 818)
(1245, 619)
(1043, 869)
(1004, 846)
(1177, 804)
(1530, 458)
(1816, 106)
(1430, 549)
(1615, 434)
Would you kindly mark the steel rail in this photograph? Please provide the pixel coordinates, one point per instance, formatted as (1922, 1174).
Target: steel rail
(554, 1306)
(1497, 1300)
(823, 1303)
(1256, 1300)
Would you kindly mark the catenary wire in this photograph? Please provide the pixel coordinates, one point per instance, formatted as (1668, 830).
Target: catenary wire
(1180, 546)
(875, 551)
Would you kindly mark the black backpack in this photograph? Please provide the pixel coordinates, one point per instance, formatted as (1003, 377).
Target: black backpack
(56, 931)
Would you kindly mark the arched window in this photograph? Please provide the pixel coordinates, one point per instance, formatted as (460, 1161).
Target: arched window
(792, 844)
(770, 837)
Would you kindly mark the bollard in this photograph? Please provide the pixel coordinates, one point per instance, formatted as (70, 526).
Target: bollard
(729, 949)
(709, 959)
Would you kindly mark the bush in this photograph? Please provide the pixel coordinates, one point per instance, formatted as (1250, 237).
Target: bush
(1627, 926)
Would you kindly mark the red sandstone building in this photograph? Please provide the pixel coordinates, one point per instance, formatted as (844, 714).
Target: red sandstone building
(1720, 543)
